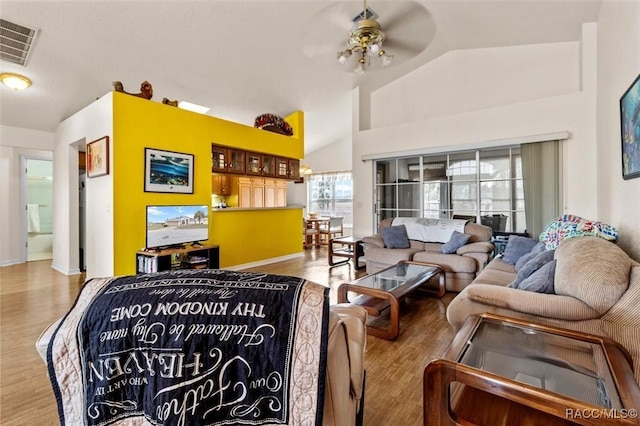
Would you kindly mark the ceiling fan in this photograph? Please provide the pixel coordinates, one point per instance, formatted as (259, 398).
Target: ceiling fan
(396, 32)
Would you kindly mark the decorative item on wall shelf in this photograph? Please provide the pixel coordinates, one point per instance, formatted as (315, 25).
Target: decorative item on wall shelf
(170, 103)
(273, 123)
(146, 91)
(167, 171)
(97, 160)
(630, 128)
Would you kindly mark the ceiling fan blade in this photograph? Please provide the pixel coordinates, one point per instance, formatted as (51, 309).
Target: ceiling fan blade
(401, 15)
(412, 47)
(326, 32)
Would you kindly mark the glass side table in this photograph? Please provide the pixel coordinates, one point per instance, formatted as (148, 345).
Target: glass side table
(500, 370)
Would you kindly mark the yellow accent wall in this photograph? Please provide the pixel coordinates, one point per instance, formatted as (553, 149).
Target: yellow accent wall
(138, 124)
(249, 235)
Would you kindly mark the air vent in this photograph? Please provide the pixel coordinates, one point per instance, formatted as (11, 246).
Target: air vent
(370, 14)
(15, 42)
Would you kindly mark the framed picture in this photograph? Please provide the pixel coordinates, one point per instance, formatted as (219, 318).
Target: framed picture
(630, 128)
(167, 171)
(97, 157)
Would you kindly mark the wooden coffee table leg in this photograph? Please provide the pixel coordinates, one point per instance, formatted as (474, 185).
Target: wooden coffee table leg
(394, 309)
(394, 320)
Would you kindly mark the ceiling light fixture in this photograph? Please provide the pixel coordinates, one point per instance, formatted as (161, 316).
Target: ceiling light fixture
(366, 41)
(305, 170)
(15, 81)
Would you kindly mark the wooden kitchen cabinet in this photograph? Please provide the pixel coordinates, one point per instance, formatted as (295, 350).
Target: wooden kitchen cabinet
(259, 192)
(220, 184)
(227, 160)
(287, 168)
(281, 193)
(260, 164)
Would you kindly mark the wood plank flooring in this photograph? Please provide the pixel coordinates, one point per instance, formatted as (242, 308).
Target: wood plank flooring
(32, 295)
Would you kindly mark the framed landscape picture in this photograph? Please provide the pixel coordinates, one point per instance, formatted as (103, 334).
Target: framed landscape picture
(167, 171)
(630, 128)
(97, 157)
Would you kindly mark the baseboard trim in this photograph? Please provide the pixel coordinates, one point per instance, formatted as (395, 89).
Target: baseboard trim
(10, 262)
(264, 262)
(62, 270)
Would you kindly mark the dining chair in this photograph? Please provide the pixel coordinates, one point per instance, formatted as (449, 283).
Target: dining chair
(310, 233)
(332, 227)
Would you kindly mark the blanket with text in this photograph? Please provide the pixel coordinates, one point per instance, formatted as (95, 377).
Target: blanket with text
(192, 347)
(430, 230)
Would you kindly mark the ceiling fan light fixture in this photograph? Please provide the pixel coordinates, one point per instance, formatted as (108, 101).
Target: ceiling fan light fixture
(366, 39)
(344, 56)
(386, 59)
(15, 82)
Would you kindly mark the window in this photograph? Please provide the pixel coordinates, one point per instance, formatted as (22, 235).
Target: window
(331, 194)
(485, 184)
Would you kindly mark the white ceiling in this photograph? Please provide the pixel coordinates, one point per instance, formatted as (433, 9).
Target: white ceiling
(245, 58)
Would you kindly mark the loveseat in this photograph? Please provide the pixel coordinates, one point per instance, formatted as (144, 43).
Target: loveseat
(461, 267)
(596, 289)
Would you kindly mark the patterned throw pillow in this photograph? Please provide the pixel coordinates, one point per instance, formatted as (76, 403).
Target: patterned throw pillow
(457, 240)
(395, 237)
(569, 226)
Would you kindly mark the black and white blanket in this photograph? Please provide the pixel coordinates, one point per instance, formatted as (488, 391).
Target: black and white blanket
(193, 347)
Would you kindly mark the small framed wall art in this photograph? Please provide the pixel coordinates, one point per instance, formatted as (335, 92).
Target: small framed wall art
(167, 171)
(97, 157)
(630, 128)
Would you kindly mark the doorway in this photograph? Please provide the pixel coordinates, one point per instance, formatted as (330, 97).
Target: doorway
(39, 208)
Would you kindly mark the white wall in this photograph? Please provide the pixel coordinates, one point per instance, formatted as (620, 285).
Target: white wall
(89, 124)
(559, 107)
(335, 157)
(14, 144)
(471, 80)
(618, 65)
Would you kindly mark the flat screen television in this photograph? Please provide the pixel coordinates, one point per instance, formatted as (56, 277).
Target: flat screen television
(170, 226)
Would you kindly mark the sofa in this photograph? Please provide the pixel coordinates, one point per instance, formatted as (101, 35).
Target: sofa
(596, 290)
(461, 267)
(344, 378)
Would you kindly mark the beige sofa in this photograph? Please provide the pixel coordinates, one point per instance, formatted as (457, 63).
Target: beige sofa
(344, 385)
(597, 291)
(461, 267)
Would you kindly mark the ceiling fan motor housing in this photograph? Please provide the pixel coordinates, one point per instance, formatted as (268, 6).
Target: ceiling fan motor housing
(367, 33)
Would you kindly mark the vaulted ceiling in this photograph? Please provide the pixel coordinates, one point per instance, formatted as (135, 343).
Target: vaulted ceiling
(245, 58)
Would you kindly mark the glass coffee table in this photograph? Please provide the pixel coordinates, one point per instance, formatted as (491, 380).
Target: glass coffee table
(386, 289)
(501, 370)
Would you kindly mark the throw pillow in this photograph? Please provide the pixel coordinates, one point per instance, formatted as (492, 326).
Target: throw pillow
(533, 265)
(395, 237)
(457, 240)
(541, 281)
(536, 250)
(516, 247)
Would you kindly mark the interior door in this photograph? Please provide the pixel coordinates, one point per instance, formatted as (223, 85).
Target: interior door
(39, 209)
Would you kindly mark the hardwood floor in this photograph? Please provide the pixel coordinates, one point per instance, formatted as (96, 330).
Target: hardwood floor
(32, 295)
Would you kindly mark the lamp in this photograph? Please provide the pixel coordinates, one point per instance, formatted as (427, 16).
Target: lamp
(366, 41)
(305, 170)
(15, 81)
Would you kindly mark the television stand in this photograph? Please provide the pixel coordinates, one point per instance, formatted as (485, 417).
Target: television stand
(173, 258)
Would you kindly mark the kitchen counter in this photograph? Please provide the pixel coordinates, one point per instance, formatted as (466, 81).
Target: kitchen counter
(238, 209)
